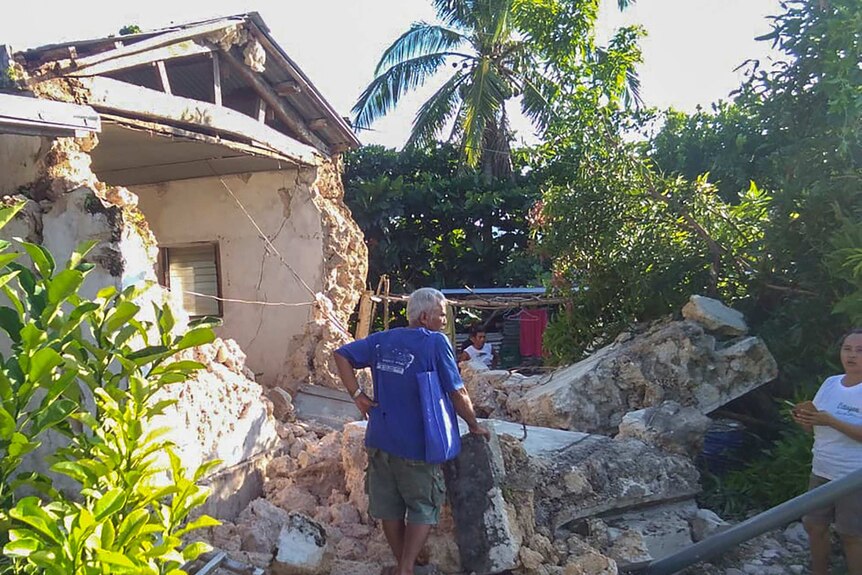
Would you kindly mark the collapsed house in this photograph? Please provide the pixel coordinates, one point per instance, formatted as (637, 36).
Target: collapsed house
(221, 150)
(202, 159)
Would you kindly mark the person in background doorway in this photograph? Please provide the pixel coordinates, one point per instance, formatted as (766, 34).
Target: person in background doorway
(479, 348)
(404, 491)
(835, 416)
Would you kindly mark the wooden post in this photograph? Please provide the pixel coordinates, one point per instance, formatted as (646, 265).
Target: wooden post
(216, 80)
(386, 304)
(363, 326)
(163, 76)
(373, 303)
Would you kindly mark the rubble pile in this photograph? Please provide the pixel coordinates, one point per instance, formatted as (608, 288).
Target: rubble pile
(219, 412)
(700, 366)
(536, 500)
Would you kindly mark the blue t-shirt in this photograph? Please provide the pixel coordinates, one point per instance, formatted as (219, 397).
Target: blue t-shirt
(395, 357)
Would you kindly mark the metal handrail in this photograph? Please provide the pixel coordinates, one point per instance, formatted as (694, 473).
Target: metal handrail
(757, 525)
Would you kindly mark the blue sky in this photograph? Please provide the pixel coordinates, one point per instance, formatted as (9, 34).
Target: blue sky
(690, 52)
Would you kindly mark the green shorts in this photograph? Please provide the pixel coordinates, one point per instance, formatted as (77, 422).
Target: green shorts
(845, 513)
(399, 488)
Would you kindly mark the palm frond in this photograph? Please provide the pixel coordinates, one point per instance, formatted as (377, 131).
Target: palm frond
(537, 93)
(421, 39)
(623, 4)
(458, 13)
(383, 93)
(632, 97)
(436, 112)
(483, 99)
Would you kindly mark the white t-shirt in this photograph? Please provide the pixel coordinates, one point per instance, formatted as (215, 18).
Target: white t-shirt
(835, 454)
(485, 355)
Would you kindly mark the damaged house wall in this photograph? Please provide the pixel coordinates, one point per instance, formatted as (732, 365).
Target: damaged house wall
(201, 210)
(302, 213)
(275, 141)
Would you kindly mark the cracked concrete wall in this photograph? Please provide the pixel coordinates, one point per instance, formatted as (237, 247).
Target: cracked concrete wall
(292, 208)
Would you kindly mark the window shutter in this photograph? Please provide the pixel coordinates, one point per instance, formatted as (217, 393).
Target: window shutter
(194, 269)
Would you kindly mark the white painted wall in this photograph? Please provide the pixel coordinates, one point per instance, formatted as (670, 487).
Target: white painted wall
(201, 209)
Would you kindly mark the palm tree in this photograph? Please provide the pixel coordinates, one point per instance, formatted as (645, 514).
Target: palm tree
(492, 60)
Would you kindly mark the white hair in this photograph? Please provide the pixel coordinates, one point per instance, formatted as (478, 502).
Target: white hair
(421, 301)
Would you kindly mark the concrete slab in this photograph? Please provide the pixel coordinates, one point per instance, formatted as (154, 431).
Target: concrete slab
(324, 405)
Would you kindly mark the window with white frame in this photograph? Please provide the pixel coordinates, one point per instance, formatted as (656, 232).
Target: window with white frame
(192, 270)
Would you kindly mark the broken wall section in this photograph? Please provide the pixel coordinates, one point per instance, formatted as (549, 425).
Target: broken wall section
(67, 205)
(345, 267)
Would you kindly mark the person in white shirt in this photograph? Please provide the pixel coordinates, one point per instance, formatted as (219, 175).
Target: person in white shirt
(835, 416)
(479, 348)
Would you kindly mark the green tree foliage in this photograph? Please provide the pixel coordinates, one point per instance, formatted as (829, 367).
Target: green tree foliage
(497, 50)
(429, 222)
(795, 129)
(68, 352)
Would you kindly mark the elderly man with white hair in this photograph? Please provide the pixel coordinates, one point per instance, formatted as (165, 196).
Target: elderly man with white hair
(405, 492)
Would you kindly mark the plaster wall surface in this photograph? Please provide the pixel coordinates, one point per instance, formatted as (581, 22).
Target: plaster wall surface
(19, 157)
(202, 210)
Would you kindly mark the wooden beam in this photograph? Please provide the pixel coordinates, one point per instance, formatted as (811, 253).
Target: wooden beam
(363, 326)
(279, 107)
(318, 123)
(157, 41)
(315, 96)
(287, 88)
(163, 76)
(178, 50)
(138, 102)
(216, 79)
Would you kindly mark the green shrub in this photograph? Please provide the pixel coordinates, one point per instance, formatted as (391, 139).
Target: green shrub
(67, 352)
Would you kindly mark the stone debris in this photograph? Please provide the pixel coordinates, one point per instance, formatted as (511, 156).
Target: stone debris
(676, 360)
(301, 547)
(220, 410)
(485, 534)
(669, 426)
(715, 316)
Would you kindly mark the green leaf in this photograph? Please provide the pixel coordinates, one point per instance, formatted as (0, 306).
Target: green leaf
(131, 526)
(13, 297)
(32, 336)
(109, 503)
(10, 322)
(21, 547)
(20, 445)
(63, 285)
(80, 252)
(9, 212)
(57, 412)
(115, 559)
(149, 354)
(196, 549)
(75, 471)
(41, 257)
(29, 511)
(106, 292)
(120, 316)
(184, 366)
(42, 362)
(196, 337)
(7, 425)
(202, 522)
